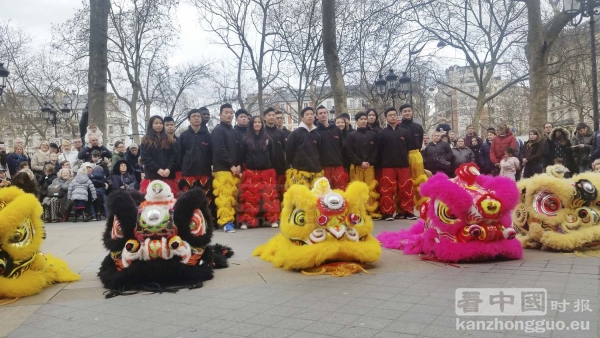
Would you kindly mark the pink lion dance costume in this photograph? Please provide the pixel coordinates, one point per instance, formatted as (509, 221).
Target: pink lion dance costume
(466, 218)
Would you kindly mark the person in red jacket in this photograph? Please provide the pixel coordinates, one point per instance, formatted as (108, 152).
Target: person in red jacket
(504, 139)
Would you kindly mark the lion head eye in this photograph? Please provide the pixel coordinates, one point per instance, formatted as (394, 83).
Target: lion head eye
(445, 214)
(299, 217)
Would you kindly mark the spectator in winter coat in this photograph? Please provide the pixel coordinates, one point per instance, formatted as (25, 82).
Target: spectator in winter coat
(39, 158)
(452, 138)
(509, 165)
(69, 155)
(159, 155)
(472, 134)
(477, 152)
(85, 154)
(132, 156)
(462, 154)
(426, 141)
(123, 177)
(46, 180)
(438, 155)
(100, 183)
(582, 147)
(24, 179)
(505, 139)
(487, 167)
(560, 147)
(15, 158)
(118, 154)
(533, 150)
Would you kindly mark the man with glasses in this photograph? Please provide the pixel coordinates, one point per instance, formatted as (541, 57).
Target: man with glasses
(279, 122)
(393, 144)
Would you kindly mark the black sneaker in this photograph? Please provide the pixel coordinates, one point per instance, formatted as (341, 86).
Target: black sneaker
(409, 215)
(399, 215)
(388, 217)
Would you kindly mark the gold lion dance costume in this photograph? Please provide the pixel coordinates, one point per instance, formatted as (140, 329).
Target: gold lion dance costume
(466, 218)
(225, 187)
(559, 213)
(159, 245)
(323, 231)
(24, 270)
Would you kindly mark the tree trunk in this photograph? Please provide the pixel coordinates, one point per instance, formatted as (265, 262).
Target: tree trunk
(98, 68)
(478, 110)
(332, 61)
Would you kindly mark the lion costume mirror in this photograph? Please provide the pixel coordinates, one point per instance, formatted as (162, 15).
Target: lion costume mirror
(323, 229)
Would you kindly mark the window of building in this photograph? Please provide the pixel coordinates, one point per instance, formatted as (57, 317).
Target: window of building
(111, 129)
(305, 104)
(472, 111)
(352, 104)
(328, 104)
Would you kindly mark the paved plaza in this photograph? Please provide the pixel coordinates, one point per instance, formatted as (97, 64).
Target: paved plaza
(401, 297)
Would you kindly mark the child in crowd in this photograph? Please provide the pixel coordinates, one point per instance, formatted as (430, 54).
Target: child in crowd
(100, 184)
(4, 181)
(596, 166)
(509, 165)
(97, 161)
(23, 165)
(53, 159)
(93, 129)
(79, 190)
(46, 180)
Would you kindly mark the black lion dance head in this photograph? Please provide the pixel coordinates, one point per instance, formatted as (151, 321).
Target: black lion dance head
(159, 244)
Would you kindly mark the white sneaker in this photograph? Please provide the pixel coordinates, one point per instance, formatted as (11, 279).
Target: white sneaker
(244, 226)
(274, 225)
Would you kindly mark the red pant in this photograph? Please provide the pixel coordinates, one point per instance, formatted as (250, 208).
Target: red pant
(337, 177)
(280, 180)
(257, 186)
(392, 179)
(170, 181)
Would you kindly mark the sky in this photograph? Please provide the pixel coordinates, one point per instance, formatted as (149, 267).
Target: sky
(37, 16)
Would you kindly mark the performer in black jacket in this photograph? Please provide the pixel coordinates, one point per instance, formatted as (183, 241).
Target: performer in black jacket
(226, 168)
(393, 144)
(302, 152)
(278, 137)
(415, 160)
(195, 155)
(330, 149)
(361, 147)
(279, 121)
(257, 190)
(159, 155)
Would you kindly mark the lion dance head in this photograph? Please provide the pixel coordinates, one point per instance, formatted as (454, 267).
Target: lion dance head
(466, 218)
(322, 226)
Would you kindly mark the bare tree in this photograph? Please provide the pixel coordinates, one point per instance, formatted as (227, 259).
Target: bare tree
(245, 27)
(485, 32)
(332, 60)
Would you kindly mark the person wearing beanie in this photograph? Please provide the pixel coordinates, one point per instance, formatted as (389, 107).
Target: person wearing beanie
(194, 157)
(415, 159)
(226, 168)
(361, 147)
(278, 137)
(396, 186)
(331, 148)
(582, 147)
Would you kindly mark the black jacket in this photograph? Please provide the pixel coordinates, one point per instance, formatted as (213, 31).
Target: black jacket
(331, 146)
(286, 132)
(133, 160)
(224, 148)
(443, 127)
(257, 159)
(534, 151)
(416, 130)
(278, 137)
(155, 158)
(194, 152)
(240, 132)
(86, 153)
(302, 149)
(438, 157)
(125, 179)
(361, 146)
(393, 146)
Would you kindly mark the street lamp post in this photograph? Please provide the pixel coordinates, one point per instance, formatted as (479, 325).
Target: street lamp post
(391, 87)
(53, 118)
(4, 73)
(587, 9)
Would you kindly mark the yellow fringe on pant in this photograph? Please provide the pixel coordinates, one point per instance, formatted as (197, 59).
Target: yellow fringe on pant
(417, 174)
(305, 178)
(225, 191)
(367, 176)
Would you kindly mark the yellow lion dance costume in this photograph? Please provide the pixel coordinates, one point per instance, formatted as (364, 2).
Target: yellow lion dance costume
(323, 230)
(558, 213)
(24, 270)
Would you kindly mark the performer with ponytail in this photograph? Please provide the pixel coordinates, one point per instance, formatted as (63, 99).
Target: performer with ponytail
(159, 155)
(258, 193)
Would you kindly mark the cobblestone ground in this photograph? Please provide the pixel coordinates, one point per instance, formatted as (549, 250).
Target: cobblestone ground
(402, 296)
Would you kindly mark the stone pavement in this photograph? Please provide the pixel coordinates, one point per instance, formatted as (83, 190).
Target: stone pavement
(401, 297)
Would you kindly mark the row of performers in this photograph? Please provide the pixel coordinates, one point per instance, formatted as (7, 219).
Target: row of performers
(268, 162)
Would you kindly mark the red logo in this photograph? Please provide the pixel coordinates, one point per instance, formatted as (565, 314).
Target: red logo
(402, 138)
(335, 136)
(315, 141)
(204, 143)
(372, 142)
